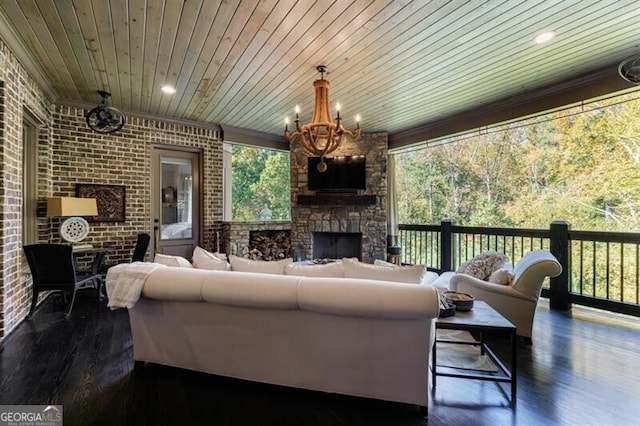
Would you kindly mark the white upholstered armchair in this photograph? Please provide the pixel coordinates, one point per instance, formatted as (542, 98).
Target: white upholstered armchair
(516, 301)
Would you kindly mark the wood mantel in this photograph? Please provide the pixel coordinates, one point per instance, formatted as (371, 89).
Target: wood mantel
(337, 199)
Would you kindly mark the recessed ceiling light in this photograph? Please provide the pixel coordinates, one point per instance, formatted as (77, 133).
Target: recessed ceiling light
(544, 37)
(168, 89)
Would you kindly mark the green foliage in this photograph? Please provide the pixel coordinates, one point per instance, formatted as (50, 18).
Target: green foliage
(583, 167)
(260, 182)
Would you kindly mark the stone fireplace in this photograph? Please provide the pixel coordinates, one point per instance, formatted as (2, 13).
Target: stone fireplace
(364, 213)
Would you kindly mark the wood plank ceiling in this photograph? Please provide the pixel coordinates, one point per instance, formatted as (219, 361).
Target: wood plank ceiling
(398, 63)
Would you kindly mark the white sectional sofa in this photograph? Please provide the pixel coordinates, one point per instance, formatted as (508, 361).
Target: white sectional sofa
(349, 336)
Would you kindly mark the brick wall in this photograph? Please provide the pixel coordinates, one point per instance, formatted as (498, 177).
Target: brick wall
(81, 155)
(18, 92)
(69, 153)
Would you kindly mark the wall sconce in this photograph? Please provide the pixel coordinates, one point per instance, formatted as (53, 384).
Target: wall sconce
(75, 228)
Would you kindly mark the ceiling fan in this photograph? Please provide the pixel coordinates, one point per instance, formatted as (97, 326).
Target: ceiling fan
(629, 69)
(103, 118)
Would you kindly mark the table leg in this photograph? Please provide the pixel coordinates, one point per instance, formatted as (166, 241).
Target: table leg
(433, 364)
(514, 361)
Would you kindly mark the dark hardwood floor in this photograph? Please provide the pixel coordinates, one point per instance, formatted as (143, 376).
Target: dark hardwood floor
(582, 369)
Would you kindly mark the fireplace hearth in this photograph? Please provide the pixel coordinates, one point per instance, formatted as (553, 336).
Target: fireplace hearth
(336, 245)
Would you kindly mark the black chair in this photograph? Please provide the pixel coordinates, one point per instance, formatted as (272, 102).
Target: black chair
(53, 268)
(139, 251)
(142, 244)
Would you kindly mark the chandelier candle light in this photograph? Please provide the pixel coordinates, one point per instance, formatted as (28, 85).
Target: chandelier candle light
(321, 136)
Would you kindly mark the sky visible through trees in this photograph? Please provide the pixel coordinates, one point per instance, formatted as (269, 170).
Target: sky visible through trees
(581, 165)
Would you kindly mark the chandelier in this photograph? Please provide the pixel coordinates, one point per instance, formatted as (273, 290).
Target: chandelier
(321, 136)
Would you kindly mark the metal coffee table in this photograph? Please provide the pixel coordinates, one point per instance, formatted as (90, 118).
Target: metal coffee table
(482, 318)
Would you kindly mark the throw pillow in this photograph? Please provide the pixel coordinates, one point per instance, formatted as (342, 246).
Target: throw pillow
(501, 276)
(483, 265)
(202, 259)
(262, 266)
(169, 260)
(427, 276)
(395, 273)
(329, 270)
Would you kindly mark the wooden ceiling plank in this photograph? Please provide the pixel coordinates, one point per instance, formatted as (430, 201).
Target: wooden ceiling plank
(406, 87)
(197, 80)
(122, 44)
(406, 18)
(279, 40)
(399, 64)
(62, 45)
(278, 94)
(152, 31)
(106, 43)
(230, 67)
(520, 69)
(460, 100)
(43, 37)
(219, 64)
(263, 10)
(137, 18)
(70, 27)
(413, 48)
(15, 15)
(202, 30)
(91, 42)
(184, 34)
(170, 22)
(398, 24)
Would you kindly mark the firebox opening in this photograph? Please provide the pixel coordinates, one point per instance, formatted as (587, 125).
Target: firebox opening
(336, 245)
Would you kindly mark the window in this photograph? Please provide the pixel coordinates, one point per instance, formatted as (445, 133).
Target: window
(257, 184)
(29, 179)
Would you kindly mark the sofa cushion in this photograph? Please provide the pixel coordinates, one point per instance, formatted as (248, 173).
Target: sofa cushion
(482, 265)
(427, 276)
(251, 289)
(502, 276)
(177, 284)
(169, 260)
(333, 269)
(366, 298)
(261, 266)
(407, 274)
(202, 259)
(442, 282)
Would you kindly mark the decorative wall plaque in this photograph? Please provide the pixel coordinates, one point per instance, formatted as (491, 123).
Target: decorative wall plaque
(110, 200)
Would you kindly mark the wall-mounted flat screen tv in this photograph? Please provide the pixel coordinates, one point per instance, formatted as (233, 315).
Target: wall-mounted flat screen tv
(343, 174)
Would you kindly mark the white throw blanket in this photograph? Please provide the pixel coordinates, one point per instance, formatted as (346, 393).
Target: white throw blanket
(125, 282)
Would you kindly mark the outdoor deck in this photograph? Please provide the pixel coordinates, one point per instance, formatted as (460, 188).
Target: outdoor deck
(582, 369)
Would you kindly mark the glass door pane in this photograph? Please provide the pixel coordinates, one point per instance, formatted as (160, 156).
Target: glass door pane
(177, 198)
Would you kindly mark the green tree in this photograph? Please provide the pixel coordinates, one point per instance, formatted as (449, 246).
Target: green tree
(576, 165)
(260, 180)
(272, 190)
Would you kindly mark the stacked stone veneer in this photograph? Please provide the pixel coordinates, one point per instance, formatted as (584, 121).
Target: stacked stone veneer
(370, 220)
(69, 153)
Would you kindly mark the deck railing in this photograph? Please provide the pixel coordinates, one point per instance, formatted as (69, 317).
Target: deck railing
(600, 269)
